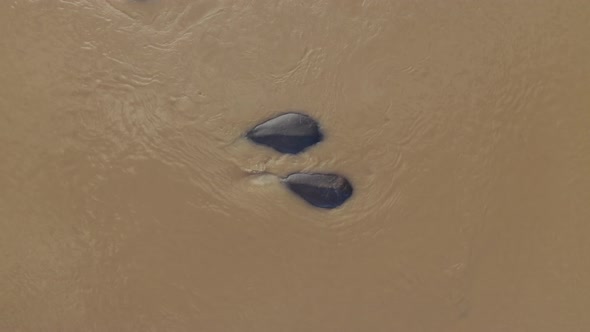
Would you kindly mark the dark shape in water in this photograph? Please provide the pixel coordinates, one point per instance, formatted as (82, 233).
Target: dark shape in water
(287, 133)
(326, 191)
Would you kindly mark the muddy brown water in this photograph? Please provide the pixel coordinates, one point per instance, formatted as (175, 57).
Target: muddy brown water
(129, 203)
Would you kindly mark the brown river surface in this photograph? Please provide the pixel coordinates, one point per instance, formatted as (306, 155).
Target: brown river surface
(129, 202)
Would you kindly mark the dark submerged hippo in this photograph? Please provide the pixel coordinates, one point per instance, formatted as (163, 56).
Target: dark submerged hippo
(326, 191)
(289, 133)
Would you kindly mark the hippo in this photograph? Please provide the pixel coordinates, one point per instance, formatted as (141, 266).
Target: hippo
(323, 190)
(289, 133)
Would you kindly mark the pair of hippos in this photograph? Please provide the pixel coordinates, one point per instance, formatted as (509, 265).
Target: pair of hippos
(292, 133)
